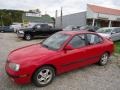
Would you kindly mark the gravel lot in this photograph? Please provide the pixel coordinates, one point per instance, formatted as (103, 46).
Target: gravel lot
(93, 77)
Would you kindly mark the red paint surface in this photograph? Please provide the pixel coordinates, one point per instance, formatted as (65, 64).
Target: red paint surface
(1, 74)
(34, 56)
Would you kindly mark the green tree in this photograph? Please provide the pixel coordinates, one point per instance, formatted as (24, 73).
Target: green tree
(7, 17)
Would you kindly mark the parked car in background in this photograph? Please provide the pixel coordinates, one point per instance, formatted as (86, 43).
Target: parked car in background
(79, 28)
(37, 30)
(16, 27)
(110, 33)
(89, 28)
(61, 52)
(71, 28)
(6, 29)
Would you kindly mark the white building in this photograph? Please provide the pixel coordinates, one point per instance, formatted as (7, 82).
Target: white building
(102, 16)
(95, 16)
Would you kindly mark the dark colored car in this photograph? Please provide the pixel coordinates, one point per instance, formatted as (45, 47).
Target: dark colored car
(61, 52)
(6, 29)
(37, 30)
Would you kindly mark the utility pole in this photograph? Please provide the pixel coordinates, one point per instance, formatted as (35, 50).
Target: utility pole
(56, 13)
(61, 18)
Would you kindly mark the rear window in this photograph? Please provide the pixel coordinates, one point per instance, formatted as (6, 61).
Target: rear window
(78, 41)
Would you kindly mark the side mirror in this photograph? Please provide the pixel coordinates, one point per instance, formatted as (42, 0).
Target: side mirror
(68, 47)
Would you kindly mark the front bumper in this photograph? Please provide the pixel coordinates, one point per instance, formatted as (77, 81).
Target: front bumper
(20, 35)
(18, 78)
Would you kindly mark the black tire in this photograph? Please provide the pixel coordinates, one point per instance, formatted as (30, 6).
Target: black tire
(104, 59)
(37, 75)
(28, 37)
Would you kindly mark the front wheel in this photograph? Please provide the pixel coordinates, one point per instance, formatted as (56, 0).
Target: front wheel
(43, 76)
(104, 59)
(28, 37)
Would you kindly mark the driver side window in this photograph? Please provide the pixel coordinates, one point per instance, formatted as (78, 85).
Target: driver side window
(38, 26)
(78, 41)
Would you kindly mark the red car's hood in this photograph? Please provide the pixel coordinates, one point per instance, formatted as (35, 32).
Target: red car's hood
(31, 52)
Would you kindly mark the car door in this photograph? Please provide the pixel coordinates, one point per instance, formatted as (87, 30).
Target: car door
(72, 59)
(94, 49)
(36, 30)
(44, 29)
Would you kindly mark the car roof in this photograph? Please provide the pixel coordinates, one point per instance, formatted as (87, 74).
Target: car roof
(76, 32)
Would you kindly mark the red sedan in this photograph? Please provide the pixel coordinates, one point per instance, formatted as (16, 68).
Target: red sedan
(61, 52)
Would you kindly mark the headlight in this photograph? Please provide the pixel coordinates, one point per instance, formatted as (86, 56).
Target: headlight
(14, 66)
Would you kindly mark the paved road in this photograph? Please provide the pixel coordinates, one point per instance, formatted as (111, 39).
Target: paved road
(93, 77)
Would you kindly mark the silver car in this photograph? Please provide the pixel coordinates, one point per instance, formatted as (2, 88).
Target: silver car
(110, 32)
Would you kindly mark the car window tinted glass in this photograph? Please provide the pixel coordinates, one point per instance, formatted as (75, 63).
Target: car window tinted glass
(38, 26)
(44, 25)
(117, 30)
(55, 41)
(93, 39)
(78, 41)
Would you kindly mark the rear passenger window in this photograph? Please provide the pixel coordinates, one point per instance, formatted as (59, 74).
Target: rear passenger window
(93, 39)
(78, 41)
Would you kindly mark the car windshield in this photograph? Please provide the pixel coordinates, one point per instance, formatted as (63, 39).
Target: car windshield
(55, 41)
(104, 30)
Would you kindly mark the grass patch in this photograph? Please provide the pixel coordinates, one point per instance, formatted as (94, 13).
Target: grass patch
(117, 47)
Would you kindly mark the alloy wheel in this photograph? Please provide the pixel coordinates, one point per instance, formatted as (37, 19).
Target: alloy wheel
(44, 76)
(104, 59)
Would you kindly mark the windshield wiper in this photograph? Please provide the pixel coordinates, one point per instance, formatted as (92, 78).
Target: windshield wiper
(46, 46)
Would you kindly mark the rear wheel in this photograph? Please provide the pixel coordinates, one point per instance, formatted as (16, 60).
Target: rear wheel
(104, 59)
(43, 76)
(28, 37)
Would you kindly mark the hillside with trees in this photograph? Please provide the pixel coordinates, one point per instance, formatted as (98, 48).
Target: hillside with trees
(7, 17)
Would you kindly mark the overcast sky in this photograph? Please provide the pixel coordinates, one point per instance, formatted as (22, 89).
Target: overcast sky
(49, 6)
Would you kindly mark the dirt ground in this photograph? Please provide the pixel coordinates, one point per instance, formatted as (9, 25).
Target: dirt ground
(92, 77)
